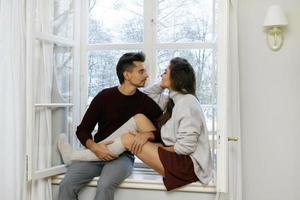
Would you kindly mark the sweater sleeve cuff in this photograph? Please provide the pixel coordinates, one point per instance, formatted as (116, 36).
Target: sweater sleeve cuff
(83, 138)
(157, 88)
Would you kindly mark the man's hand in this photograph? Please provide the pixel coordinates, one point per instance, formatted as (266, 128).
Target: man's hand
(101, 151)
(139, 140)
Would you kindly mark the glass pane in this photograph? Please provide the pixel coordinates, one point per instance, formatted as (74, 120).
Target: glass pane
(61, 123)
(62, 87)
(63, 17)
(53, 72)
(185, 21)
(114, 21)
(102, 70)
(45, 138)
(56, 18)
(63, 74)
(202, 62)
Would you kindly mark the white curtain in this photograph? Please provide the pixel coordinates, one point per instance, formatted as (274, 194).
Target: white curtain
(43, 77)
(42, 140)
(228, 33)
(12, 99)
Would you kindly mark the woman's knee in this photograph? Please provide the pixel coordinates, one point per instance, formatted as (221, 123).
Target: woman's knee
(144, 123)
(140, 117)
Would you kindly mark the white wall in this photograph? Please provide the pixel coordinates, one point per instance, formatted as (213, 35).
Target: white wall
(270, 104)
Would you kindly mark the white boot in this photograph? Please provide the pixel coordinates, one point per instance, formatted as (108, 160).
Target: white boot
(65, 149)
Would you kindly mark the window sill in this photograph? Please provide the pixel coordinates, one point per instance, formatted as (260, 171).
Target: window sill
(148, 180)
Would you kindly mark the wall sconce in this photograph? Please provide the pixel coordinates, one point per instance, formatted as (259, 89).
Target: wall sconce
(275, 21)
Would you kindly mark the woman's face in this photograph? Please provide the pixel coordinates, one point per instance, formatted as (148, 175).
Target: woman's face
(165, 78)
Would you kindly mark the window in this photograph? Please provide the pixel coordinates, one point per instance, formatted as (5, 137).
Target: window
(69, 63)
(50, 83)
(163, 29)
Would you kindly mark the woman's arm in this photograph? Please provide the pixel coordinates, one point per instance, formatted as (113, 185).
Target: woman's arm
(186, 138)
(189, 129)
(155, 92)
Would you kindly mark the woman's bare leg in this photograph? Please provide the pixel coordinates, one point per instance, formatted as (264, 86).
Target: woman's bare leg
(143, 123)
(148, 154)
(138, 123)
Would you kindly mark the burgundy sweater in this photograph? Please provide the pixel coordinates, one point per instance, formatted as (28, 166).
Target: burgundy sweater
(111, 109)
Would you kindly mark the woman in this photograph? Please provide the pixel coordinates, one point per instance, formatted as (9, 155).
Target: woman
(184, 156)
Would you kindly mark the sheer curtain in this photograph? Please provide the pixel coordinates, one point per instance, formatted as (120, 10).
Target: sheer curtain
(43, 78)
(41, 188)
(12, 101)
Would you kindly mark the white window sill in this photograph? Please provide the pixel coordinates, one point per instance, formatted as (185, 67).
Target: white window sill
(148, 180)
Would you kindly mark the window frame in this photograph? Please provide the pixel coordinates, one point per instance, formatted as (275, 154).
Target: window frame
(80, 49)
(33, 35)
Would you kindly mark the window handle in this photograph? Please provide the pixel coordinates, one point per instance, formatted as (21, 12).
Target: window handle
(233, 139)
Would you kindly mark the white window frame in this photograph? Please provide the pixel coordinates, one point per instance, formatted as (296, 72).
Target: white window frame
(80, 49)
(223, 98)
(31, 36)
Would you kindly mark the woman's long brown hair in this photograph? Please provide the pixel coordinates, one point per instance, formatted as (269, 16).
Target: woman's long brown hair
(182, 77)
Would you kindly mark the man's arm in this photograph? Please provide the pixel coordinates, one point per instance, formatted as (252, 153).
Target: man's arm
(86, 127)
(89, 121)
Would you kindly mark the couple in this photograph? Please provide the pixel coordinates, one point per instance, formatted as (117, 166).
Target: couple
(130, 122)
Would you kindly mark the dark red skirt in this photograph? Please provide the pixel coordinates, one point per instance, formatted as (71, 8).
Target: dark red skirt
(179, 169)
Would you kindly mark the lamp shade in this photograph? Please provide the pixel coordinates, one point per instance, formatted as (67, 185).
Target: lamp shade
(275, 17)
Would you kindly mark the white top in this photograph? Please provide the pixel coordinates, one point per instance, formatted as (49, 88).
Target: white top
(186, 129)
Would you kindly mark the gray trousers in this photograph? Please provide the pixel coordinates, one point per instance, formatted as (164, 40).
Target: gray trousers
(111, 173)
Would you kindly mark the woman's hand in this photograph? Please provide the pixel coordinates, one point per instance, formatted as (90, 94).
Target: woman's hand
(138, 142)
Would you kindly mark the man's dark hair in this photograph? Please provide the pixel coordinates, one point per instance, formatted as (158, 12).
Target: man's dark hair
(126, 63)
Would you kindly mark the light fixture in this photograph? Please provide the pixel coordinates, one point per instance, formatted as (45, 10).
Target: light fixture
(275, 21)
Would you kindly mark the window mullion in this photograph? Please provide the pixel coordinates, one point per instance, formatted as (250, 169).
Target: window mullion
(150, 38)
(54, 39)
(83, 58)
(195, 45)
(94, 47)
(222, 97)
(76, 72)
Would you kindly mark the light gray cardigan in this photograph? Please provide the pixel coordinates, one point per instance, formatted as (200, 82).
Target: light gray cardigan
(186, 129)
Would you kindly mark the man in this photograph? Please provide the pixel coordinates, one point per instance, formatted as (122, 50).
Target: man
(111, 108)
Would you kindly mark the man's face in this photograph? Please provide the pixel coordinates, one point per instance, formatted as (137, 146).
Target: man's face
(138, 75)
